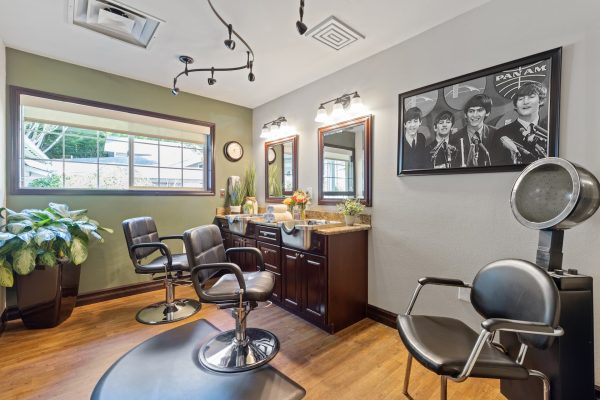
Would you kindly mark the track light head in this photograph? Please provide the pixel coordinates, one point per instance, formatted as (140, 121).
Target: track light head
(251, 76)
(175, 91)
(301, 26)
(212, 80)
(229, 43)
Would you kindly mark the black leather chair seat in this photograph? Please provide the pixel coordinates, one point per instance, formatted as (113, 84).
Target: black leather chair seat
(444, 345)
(259, 286)
(156, 266)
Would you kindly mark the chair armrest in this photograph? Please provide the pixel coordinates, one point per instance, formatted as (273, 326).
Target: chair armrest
(430, 280)
(161, 246)
(257, 253)
(434, 281)
(236, 270)
(161, 238)
(513, 325)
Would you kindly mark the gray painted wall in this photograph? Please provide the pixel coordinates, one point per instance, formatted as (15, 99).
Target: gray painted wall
(453, 225)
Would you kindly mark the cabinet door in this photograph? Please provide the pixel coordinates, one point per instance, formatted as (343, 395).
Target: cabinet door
(226, 239)
(271, 256)
(314, 287)
(292, 282)
(249, 258)
(237, 258)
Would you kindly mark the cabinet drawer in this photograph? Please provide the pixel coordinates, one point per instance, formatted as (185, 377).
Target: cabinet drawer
(267, 234)
(271, 256)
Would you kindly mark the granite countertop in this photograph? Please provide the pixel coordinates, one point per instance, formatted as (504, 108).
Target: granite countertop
(338, 230)
(327, 231)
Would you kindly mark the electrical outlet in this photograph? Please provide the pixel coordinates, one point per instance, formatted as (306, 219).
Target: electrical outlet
(222, 193)
(464, 294)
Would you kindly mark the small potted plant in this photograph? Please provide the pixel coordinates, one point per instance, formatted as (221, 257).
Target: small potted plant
(236, 197)
(350, 208)
(44, 249)
(250, 190)
(299, 199)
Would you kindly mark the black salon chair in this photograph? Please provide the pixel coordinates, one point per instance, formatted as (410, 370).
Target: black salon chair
(242, 348)
(143, 241)
(512, 295)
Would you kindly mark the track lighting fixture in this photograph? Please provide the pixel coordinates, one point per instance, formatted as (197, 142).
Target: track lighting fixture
(347, 105)
(301, 26)
(230, 44)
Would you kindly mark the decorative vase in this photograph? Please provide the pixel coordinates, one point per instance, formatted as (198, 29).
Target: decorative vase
(302, 212)
(235, 209)
(254, 203)
(350, 219)
(46, 297)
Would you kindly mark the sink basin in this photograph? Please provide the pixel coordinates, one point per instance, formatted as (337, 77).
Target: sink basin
(238, 223)
(298, 233)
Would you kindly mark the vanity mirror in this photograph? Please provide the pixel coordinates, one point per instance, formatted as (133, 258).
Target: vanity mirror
(345, 161)
(281, 168)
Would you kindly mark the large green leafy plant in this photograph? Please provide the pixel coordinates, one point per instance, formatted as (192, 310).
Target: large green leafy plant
(42, 237)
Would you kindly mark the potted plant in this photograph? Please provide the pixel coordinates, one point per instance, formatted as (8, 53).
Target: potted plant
(236, 197)
(250, 189)
(350, 208)
(44, 249)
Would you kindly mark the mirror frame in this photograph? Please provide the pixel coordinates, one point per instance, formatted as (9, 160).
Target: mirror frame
(367, 121)
(294, 140)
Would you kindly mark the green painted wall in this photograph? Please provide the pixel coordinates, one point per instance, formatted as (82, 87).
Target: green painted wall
(108, 264)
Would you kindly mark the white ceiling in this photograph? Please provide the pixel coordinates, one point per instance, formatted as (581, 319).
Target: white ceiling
(284, 60)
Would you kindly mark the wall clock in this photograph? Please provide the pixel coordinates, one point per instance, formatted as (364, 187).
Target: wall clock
(233, 151)
(272, 155)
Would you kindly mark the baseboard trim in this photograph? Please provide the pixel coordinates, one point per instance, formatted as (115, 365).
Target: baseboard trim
(380, 315)
(118, 292)
(97, 296)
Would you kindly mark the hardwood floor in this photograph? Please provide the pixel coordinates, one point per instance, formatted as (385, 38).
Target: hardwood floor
(364, 361)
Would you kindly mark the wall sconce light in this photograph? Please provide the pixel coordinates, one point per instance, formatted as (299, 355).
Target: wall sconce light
(277, 127)
(347, 105)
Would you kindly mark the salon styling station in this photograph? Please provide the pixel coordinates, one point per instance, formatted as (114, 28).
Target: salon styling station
(320, 265)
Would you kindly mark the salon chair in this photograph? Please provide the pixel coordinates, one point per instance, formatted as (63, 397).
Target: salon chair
(143, 241)
(512, 295)
(242, 348)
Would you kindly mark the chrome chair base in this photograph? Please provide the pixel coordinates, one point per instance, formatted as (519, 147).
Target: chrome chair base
(224, 353)
(163, 313)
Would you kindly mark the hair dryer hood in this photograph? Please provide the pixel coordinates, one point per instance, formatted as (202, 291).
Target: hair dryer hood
(553, 193)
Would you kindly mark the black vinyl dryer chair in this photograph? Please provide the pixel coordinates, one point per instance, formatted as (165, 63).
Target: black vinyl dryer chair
(242, 348)
(142, 241)
(512, 295)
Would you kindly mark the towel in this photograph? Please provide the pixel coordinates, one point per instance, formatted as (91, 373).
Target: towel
(278, 216)
(279, 208)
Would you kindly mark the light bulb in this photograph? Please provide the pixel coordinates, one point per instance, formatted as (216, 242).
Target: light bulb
(321, 114)
(338, 110)
(264, 133)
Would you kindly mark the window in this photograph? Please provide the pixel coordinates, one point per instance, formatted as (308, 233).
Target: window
(69, 145)
(338, 172)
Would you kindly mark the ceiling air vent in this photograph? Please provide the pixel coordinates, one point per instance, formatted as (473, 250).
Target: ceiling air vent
(114, 19)
(334, 33)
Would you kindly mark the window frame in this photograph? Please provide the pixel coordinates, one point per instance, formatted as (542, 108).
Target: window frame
(15, 138)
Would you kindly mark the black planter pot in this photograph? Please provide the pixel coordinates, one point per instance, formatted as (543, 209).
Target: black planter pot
(47, 296)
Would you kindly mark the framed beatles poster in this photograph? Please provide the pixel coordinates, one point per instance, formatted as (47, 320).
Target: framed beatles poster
(498, 119)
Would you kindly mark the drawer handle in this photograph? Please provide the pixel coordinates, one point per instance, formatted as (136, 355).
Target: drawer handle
(267, 234)
(313, 262)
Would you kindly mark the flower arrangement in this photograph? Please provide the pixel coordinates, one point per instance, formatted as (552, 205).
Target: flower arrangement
(301, 199)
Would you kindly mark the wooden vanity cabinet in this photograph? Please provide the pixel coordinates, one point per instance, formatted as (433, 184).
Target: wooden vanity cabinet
(268, 242)
(246, 261)
(326, 285)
